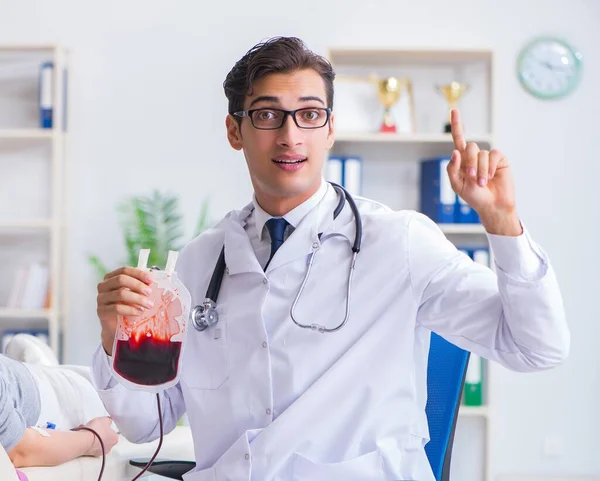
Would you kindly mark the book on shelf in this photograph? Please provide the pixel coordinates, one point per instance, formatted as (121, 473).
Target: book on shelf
(46, 100)
(474, 381)
(473, 388)
(437, 199)
(30, 288)
(481, 255)
(347, 171)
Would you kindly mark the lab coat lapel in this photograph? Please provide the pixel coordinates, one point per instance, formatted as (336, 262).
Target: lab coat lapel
(239, 254)
(305, 238)
(299, 244)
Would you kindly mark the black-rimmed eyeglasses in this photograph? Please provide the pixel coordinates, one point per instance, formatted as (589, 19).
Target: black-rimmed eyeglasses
(272, 119)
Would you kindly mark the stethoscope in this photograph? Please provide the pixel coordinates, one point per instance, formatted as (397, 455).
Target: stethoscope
(205, 315)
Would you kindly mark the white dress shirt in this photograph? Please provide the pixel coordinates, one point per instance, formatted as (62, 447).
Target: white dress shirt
(269, 401)
(259, 234)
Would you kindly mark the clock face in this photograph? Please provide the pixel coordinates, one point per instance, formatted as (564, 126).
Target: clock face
(549, 68)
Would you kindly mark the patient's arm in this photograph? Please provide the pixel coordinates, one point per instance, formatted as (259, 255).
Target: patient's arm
(61, 446)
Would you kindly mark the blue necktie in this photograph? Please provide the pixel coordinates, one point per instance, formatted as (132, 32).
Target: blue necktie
(276, 227)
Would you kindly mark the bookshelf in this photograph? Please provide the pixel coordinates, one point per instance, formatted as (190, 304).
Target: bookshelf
(26, 133)
(25, 224)
(34, 160)
(390, 167)
(407, 138)
(474, 411)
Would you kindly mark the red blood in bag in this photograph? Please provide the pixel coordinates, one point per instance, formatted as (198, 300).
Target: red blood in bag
(147, 361)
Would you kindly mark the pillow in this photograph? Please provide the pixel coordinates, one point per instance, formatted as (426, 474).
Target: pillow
(31, 350)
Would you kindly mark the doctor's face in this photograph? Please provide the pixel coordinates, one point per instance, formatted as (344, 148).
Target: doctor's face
(285, 161)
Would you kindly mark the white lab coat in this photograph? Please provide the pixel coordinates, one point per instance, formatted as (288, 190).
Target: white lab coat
(299, 405)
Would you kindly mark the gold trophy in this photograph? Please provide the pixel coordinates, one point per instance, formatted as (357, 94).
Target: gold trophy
(389, 91)
(453, 92)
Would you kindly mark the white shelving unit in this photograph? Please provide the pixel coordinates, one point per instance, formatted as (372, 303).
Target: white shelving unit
(391, 160)
(26, 224)
(417, 138)
(8, 313)
(26, 134)
(474, 411)
(24, 145)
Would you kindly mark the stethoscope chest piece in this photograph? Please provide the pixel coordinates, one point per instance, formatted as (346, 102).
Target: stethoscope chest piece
(205, 315)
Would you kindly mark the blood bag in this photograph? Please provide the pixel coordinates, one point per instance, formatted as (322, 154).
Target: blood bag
(148, 348)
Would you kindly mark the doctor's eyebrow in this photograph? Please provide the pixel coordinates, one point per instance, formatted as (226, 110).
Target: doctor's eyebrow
(276, 100)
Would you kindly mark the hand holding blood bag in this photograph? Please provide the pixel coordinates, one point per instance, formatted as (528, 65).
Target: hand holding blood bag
(148, 348)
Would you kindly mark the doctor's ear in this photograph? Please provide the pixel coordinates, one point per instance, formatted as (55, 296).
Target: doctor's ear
(234, 134)
(331, 133)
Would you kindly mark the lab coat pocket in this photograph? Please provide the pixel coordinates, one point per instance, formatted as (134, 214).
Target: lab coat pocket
(206, 362)
(368, 467)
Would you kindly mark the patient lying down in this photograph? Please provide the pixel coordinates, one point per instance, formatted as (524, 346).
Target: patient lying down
(41, 401)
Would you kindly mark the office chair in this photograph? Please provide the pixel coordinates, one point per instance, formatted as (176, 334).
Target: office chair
(446, 369)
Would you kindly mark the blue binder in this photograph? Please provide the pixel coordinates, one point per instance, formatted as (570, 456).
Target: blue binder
(437, 199)
(481, 255)
(346, 171)
(46, 94)
(334, 169)
(352, 175)
(464, 213)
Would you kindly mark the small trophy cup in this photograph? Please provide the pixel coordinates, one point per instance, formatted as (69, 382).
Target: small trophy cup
(388, 91)
(452, 92)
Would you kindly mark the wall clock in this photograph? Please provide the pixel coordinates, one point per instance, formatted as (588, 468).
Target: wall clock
(549, 68)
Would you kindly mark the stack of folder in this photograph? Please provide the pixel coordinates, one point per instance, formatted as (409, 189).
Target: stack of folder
(437, 198)
(346, 171)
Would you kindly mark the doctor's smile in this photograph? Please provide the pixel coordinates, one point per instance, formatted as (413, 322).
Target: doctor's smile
(287, 377)
(290, 162)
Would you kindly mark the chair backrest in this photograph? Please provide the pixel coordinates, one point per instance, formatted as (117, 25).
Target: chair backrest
(446, 371)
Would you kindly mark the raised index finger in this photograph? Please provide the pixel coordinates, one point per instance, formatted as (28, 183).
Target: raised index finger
(457, 131)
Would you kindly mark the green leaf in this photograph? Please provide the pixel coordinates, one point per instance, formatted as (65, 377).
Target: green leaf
(152, 222)
(203, 221)
(99, 267)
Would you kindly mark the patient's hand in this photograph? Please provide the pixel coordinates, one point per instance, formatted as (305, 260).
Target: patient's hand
(109, 437)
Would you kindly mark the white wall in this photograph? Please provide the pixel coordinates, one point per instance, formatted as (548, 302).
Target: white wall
(148, 111)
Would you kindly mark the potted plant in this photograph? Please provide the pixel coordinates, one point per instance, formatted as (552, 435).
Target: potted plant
(152, 222)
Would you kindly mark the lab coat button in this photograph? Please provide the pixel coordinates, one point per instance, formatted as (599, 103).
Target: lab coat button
(265, 281)
(315, 245)
(247, 456)
(268, 412)
(265, 344)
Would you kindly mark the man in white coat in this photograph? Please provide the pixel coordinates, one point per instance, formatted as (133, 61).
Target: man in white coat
(268, 400)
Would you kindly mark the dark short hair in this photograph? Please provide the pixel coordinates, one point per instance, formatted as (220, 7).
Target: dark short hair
(276, 55)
